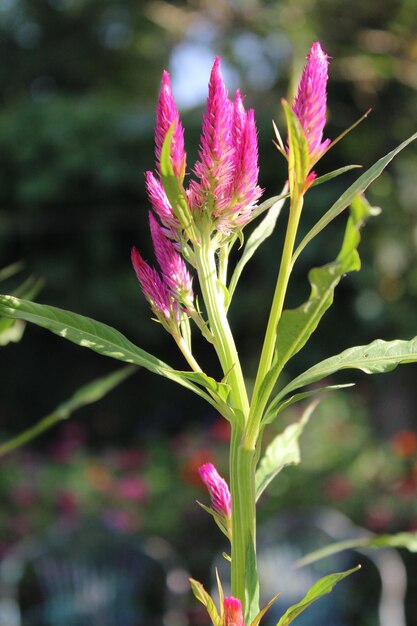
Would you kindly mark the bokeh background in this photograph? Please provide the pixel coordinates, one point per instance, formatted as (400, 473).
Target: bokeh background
(78, 85)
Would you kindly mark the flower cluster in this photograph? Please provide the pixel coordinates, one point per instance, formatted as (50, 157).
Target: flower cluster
(219, 201)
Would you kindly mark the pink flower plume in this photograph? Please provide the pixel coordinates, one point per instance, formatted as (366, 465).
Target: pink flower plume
(311, 100)
(166, 115)
(154, 289)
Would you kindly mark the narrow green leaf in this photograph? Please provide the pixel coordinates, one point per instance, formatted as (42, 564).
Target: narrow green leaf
(103, 339)
(264, 610)
(88, 394)
(345, 199)
(284, 450)
(277, 406)
(321, 588)
(298, 154)
(11, 270)
(258, 236)
(341, 170)
(400, 540)
(375, 358)
(297, 325)
(205, 598)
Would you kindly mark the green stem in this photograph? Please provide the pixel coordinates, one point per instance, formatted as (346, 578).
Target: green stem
(244, 578)
(268, 348)
(219, 325)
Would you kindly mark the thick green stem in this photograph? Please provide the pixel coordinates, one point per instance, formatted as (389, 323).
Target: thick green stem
(245, 585)
(219, 326)
(268, 348)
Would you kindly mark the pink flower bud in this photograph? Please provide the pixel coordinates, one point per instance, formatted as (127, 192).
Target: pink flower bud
(155, 290)
(217, 488)
(160, 203)
(166, 115)
(310, 102)
(174, 270)
(233, 615)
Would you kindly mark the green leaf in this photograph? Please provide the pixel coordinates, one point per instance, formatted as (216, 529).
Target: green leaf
(341, 170)
(11, 270)
(88, 394)
(297, 325)
(346, 198)
(284, 450)
(107, 341)
(279, 405)
(375, 358)
(400, 540)
(321, 588)
(174, 191)
(298, 154)
(205, 598)
(258, 236)
(12, 330)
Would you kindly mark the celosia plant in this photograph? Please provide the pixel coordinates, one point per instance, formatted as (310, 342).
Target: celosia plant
(195, 223)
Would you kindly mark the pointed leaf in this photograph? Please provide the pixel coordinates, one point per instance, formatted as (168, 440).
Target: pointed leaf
(88, 394)
(321, 588)
(173, 190)
(297, 325)
(100, 338)
(258, 236)
(346, 198)
(375, 358)
(205, 598)
(277, 406)
(264, 610)
(298, 155)
(333, 174)
(400, 540)
(284, 450)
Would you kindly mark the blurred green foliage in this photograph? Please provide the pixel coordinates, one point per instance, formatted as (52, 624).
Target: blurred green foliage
(77, 90)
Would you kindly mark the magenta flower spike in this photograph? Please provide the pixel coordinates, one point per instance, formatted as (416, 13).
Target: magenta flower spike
(246, 189)
(155, 291)
(174, 271)
(232, 612)
(161, 205)
(216, 165)
(166, 115)
(217, 488)
(310, 101)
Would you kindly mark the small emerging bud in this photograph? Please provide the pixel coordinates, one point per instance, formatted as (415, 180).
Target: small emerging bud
(160, 203)
(232, 615)
(310, 101)
(217, 488)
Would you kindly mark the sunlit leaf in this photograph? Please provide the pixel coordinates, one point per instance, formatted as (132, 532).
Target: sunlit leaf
(321, 588)
(284, 450)
(298, 154)
(400, 540)
(375, 358)
(105, 340)
(205, 598)
(257, 237)
(358, 187)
